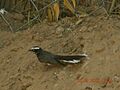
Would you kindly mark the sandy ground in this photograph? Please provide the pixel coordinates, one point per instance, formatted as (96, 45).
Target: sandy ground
(97, 36)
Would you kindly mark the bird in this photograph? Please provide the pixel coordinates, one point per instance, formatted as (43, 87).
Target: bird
(50, 58)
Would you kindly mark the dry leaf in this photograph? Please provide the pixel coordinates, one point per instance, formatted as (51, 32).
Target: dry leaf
(50, 15)
(56, 10)
(69, 6)
(53, 13)
(74, 3)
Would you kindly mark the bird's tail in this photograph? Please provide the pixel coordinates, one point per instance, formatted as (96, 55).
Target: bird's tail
(72, 59)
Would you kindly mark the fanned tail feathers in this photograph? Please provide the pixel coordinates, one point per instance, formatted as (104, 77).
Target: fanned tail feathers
(72, 59)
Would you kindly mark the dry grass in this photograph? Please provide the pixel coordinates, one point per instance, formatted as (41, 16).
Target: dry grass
(36, 11)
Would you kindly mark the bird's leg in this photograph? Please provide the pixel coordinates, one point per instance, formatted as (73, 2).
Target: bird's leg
(47, 66)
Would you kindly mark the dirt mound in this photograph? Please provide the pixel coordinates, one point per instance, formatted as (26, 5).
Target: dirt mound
(97, 36)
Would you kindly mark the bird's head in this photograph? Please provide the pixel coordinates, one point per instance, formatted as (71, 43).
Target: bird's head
(36, 49)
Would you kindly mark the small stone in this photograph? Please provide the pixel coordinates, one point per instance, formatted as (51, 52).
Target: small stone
(55, 85)
(90, 28)
(68, 29)
(95, 26)
(83, 28)
(8, 61)
(59, 30)
(116, 78)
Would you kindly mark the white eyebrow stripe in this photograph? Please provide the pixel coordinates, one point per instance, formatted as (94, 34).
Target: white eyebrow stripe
(35, 48)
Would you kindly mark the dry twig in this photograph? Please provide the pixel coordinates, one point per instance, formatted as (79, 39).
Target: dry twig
(6, 22)
(36, 16)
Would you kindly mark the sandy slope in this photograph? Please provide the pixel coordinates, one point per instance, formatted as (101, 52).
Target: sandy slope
(97, 36)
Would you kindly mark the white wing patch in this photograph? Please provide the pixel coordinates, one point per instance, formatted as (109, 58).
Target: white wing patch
(73, 61)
